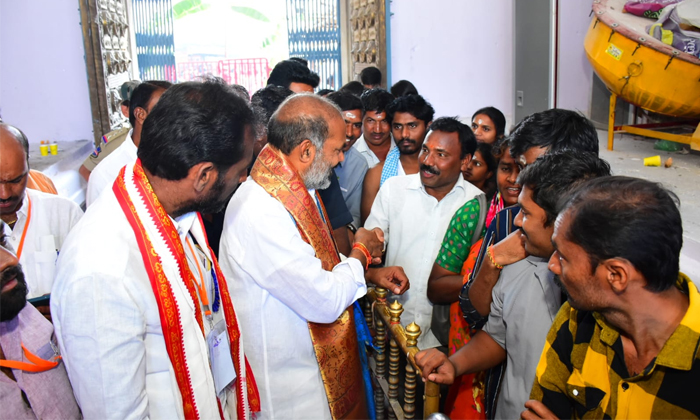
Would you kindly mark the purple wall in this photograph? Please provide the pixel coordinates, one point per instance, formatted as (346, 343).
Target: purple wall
(458, 53)
(43, 81)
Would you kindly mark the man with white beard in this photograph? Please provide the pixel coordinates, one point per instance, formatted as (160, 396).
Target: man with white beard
(292, 293)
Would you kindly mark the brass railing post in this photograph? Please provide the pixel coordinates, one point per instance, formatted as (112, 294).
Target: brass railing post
(395, 309)
(409, 408)
(380, 358)
(367, 310)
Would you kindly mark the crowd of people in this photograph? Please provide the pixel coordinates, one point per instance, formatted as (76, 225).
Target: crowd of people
(227, 239)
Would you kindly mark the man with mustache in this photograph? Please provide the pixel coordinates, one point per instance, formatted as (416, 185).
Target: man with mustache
(375, 142)
(295, 296)
(410, 118)
(142, 312)
(428, 198)
(36, 223)
(625, 345)
(525, 299)
(36, 388)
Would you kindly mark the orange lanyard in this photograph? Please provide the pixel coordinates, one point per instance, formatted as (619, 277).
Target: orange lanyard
(203, 295)
(37, 363)
(26, 228)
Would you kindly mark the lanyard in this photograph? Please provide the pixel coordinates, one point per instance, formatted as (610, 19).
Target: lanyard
(37, 363)
(26, 227)
(203, 295)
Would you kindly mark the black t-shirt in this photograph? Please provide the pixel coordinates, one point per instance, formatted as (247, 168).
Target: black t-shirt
(336, 208)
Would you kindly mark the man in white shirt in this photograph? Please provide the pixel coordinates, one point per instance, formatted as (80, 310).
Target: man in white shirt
(141, 310)
(292, 293)
(143, 99)
(37, 223)
(415, 210)
(375, 142)
(410, 117)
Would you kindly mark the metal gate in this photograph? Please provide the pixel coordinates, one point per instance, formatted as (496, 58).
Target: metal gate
(314, 34)
(155, 46)
(108, 55)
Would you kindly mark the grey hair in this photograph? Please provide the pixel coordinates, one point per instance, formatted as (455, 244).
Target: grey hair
(288, 133)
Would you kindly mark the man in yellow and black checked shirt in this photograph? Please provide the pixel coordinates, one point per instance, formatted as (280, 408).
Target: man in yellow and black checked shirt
(626, 343)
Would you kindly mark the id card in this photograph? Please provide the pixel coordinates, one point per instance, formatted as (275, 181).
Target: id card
(220, 357)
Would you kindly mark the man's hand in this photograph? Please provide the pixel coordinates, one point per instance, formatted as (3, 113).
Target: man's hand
(435, 366)
(391, 278)
(46, 311)
(373, 240)
(510, 250)
(536, 410)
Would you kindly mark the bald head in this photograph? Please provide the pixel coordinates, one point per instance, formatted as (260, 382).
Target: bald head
(11, 133)
(14, 167)
(301, 117)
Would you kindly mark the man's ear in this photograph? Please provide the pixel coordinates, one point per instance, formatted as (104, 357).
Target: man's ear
(465, 162)
(203, 174)
(140, 114)
(618, 273)
(307, 151)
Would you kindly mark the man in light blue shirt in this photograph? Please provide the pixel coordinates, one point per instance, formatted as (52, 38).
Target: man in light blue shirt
(351, 172)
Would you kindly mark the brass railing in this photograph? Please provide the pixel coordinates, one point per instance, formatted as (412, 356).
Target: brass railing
(387, 327)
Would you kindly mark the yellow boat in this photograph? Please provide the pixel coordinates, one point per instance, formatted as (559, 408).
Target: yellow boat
(642, 70)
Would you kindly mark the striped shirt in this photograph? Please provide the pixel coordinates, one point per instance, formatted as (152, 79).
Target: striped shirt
(582, 373)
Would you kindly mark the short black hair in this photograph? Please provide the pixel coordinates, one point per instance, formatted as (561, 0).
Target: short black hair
(300, 60)
(241, 90)
(499, 120)
(467, 141)
(412, 104)
(556, 129)
(268, 99)
(287, 72)
(141, 96)
(324, 92)
(346, 101)
(403, 88)
(195, 122)
(354, 87)
(376, 100)
(553, 177)
(371, 76)
(630, 218)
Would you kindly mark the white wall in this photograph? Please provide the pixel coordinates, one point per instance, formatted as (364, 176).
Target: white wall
(43, 80)
(575, 72)
(458, 53)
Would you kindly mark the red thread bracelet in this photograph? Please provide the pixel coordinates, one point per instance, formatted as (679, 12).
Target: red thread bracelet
(363, 249)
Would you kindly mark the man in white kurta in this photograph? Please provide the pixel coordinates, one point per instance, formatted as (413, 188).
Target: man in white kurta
(143, 99)
(278, 283)
(52, 218)
(36, 223)
(107, 315)
(106, 171)
(415, 210)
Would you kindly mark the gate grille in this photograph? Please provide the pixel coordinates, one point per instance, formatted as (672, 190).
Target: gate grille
(314, 34)
(155, 46)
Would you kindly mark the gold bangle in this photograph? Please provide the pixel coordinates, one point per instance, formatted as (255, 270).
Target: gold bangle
(489, 252)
